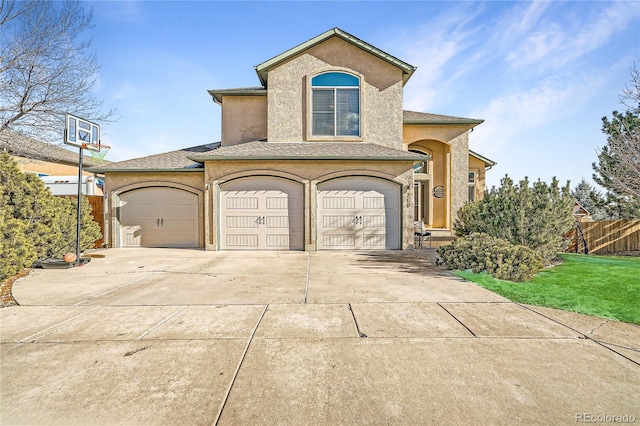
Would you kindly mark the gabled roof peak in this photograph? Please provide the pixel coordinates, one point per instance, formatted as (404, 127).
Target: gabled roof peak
(263, 69)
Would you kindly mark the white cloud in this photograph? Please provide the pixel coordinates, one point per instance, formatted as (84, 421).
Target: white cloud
(558, 39)
(437, 50)
(511, 116)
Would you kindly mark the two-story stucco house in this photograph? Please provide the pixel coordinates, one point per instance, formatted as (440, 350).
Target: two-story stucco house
(320, 156)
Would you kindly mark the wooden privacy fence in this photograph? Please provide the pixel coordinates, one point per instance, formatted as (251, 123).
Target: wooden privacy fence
(608, 236)
(97, 211)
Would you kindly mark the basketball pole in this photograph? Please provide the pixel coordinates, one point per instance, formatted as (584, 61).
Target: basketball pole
(79, 210)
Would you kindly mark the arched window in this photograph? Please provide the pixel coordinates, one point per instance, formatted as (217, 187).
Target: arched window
(336, 104)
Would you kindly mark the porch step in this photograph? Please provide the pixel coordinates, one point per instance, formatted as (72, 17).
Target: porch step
(440, 232)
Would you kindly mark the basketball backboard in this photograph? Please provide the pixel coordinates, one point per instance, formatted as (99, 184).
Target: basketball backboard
(79, 132)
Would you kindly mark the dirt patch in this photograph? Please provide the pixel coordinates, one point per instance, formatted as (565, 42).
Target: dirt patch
(6, 298)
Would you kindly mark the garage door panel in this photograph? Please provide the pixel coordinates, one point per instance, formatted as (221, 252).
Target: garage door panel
(378, 221)
(280, 222)
(280, 203)
(278, 241)
(332, 221)
(242, 240)
(241, 222)
(375, 240)
(369, 203)
(241, 203)
(339, 240)
(337, 202)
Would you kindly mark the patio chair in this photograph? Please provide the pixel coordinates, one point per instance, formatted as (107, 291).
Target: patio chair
(419, 233)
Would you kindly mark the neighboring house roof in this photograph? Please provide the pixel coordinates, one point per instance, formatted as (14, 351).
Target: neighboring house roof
(579, 210)
(23, 146)
(167, 161)
(413, 117)
(263, 68)
(242, 91)
(486, 161)
(260, 150)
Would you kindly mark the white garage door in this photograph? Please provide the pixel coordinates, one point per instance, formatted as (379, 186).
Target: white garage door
(358, 213)
(261, 213)
(159, 217)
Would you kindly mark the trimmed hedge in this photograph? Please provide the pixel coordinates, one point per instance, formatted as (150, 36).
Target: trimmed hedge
(481, 252)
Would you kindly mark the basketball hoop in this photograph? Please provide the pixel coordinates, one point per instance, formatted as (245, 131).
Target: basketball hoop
(97, 151)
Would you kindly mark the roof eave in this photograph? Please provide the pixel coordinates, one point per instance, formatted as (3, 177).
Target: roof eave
(218, 94)
(138, 170)
(467, 122)
(263, 69)
(305, 158)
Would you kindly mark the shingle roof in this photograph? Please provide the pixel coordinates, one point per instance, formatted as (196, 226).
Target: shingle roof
(413, 117)
(27, 147)
(167, 161)
(260, 150)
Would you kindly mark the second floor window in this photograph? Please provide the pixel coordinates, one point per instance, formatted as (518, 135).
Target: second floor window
(336, 104)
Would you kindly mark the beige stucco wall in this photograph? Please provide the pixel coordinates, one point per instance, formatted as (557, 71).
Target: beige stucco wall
(449, 166)
(309, 174)
(289, 94)
(459, 174)
(476, 165)
(119, 183)
(244, 119)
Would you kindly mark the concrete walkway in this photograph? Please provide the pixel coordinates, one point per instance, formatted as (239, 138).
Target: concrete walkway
(161, 336)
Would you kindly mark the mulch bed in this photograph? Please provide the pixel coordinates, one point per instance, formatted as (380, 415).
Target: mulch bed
(6, 298)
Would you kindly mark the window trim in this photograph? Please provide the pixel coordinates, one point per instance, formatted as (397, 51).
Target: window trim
(309, 110)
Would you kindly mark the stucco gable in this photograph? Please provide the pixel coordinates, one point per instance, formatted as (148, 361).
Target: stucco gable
(485, 160)
(263, 69)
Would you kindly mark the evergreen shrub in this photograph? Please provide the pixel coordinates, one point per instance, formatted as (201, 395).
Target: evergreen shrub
(481, 252)
(35, 224)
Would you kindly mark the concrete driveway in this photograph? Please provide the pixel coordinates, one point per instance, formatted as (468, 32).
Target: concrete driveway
(161, 336)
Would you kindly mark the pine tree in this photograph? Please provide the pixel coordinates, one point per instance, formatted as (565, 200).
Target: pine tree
(535, 216)
(591, 199)
(618, 166)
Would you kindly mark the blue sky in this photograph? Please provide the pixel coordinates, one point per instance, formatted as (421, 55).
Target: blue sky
(541, 74)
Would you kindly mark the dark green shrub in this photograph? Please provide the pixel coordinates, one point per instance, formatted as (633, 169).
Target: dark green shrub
(481, 252)
(536, 216)
(35, 224)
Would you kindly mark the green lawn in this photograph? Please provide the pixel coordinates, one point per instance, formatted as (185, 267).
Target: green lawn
(604, 286)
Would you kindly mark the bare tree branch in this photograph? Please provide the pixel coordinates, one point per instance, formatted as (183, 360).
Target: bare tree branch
(46, 69)
(631, 93)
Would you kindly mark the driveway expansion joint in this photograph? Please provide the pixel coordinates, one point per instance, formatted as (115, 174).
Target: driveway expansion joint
(237, 371)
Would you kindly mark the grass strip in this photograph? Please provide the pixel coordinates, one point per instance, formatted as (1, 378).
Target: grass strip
(603, 286)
